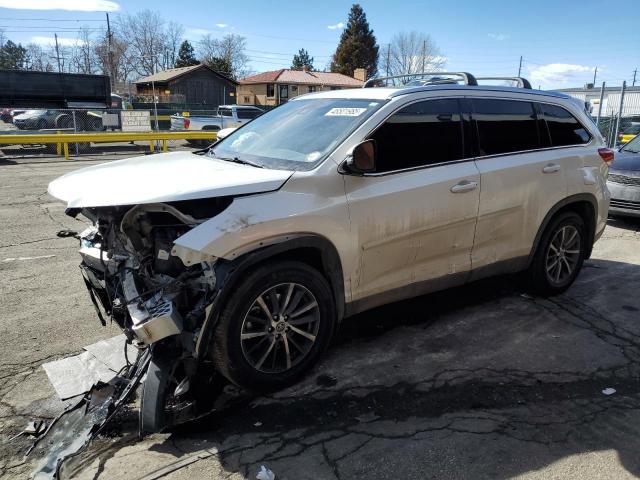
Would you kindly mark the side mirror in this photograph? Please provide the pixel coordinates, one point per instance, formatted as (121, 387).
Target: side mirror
(363, 158)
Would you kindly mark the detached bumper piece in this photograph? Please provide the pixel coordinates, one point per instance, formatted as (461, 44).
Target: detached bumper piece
(70, 433)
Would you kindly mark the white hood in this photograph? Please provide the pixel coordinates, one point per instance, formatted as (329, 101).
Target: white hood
(164, 177)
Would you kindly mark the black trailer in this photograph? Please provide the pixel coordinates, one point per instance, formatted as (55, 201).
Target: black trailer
(20, 88)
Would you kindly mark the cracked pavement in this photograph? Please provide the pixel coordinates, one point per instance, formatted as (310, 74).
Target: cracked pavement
(476, 382)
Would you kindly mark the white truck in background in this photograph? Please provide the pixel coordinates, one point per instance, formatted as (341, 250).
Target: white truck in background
(227, 116)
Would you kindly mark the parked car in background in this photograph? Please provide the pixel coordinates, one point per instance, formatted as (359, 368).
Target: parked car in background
(244, 257)
(624, 180)
(629, 133)
(227, 116)
(80, 120)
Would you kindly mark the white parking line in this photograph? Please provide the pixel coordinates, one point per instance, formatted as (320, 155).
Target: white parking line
(27, 258)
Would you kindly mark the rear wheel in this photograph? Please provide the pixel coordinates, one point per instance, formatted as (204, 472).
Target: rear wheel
(560, 255)
(275, 326)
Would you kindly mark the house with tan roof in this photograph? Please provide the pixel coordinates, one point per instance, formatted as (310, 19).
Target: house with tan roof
(197, 84)
(278, 86)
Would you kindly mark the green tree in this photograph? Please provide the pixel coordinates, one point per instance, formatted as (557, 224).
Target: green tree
(12, 56)
(220, 65)
(186, 55)
(302, 60)
(358, 47)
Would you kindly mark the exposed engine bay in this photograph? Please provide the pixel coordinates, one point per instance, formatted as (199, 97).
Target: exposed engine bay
(159, 302)
(128, 266)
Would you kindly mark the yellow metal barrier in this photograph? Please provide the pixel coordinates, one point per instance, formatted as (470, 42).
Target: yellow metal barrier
(62, 140)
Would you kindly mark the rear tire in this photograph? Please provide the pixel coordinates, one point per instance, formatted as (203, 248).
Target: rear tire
(559, 256)
(262, 351)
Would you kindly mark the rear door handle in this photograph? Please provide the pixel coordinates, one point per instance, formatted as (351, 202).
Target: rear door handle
(551, 168)
(464, 186)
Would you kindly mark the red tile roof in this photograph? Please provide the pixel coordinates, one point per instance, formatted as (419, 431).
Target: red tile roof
(302, 77)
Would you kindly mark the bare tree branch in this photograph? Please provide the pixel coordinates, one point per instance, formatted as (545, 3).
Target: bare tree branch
(411, 52)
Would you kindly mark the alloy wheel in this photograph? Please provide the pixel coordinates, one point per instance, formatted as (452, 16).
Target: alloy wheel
(280, 328)
(563, 254)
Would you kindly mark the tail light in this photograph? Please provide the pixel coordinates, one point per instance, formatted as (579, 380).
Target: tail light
(606, 154)
(186, 122)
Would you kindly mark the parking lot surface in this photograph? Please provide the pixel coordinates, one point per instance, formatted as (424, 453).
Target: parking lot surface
(478, 382)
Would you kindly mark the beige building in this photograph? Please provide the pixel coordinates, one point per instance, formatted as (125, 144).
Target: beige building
(276, 87)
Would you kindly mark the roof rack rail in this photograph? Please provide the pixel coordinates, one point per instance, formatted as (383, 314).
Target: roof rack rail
(467, 78)
(520, 81)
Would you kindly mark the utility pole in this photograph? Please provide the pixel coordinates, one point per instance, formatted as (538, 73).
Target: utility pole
(110, 54)
(634, 77)
(520, 66)
(601, 102)
(57, 53)
(595, 72)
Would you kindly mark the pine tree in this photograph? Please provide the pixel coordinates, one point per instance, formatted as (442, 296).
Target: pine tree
(186, 55)
(12, 56)
(358, 47)
(302, 60)
(220, 65)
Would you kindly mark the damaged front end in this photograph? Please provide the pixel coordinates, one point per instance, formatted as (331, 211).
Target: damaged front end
(159, 302)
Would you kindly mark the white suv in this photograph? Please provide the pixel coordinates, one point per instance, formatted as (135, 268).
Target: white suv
(244, 257)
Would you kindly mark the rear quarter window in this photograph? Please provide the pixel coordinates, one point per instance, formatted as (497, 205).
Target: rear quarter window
(564, 128)
(247, 113)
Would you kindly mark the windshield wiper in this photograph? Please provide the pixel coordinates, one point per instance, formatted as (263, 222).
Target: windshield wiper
(240, 161)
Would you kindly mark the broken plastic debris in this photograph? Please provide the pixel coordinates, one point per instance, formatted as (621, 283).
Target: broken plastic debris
(67, 233)
(257, 424)
(35, 428)
(527, 296)
(265, 474)
(609, 391)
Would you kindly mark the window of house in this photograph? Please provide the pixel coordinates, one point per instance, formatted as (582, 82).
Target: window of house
(335, 88)
(505, 126)
(313, 88)
(247, 99)
(284, 91)
(563, 127)
(294, 90)
(420, 134)
(271, 90)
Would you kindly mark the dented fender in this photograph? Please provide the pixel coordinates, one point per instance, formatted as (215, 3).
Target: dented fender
(305, 206)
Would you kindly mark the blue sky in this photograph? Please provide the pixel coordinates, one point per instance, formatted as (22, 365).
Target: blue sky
(561, 41)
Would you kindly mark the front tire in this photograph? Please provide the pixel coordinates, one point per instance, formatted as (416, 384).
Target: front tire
(274, 326)
(560, 255)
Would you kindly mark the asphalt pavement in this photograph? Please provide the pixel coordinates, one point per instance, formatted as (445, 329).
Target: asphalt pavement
(479, 382)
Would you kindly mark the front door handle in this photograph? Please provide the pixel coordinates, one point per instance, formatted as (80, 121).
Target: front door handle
(551, 168)
(464, 186)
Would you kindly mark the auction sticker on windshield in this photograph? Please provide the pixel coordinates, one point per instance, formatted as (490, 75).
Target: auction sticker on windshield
(345, 112)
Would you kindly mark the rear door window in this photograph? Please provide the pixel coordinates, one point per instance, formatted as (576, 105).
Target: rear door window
(423, 133)
(505, 126)
(225, 112)
(248, 113)
(563, 127)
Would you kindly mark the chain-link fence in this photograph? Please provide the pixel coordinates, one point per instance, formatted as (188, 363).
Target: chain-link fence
(15, 122)
(616, 110)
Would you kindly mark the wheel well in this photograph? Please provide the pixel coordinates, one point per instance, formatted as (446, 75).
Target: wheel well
(584, 206)
(588, 215)
(315, 251)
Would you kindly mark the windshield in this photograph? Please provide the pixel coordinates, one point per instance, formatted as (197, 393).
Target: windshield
(297, 135)
(633, 146)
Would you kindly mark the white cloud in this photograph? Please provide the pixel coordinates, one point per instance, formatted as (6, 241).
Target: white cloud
(336, 26)
(198, 32)
(498, 36)
(74, 5)
(50, 41)
(558, 73)
(221, 25)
